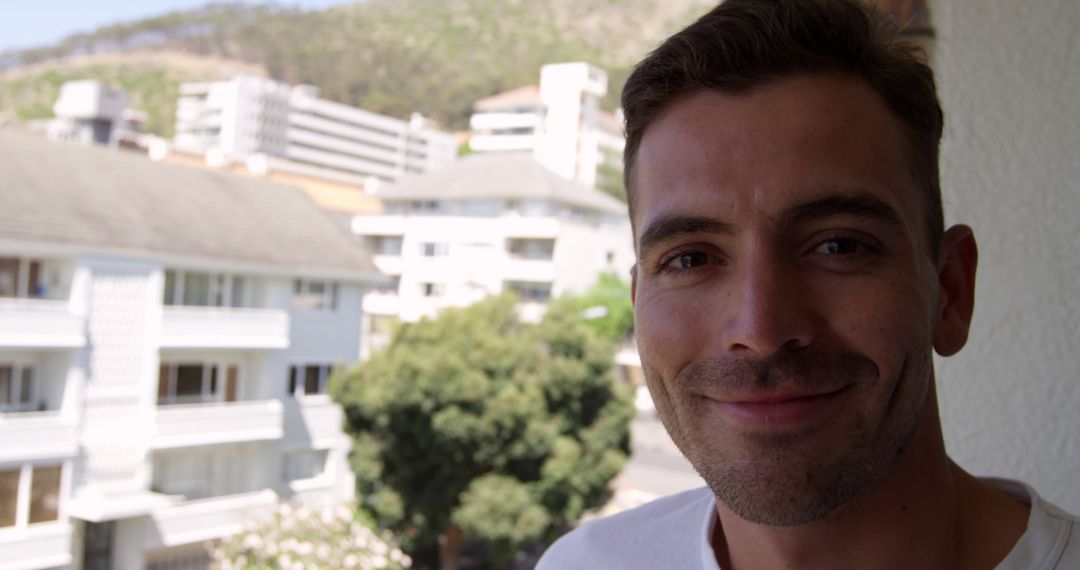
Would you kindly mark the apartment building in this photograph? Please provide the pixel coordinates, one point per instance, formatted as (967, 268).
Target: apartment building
(293, 130)
(166, 335)
(560, 123)
(486, 224)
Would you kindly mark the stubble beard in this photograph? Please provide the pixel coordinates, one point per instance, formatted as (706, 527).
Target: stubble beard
(793, 478)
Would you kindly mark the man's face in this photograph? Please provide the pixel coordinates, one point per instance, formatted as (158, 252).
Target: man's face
(785, 297)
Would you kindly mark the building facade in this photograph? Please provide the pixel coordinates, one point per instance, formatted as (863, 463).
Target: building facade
(485, 225)
(560, 123)
(166, 336)
(292, 129)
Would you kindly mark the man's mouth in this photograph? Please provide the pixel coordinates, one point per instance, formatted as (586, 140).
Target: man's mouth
(778, 408)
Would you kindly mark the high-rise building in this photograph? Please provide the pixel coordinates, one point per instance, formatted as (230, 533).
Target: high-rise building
(166, 336)
(560, 123)
(299, 132)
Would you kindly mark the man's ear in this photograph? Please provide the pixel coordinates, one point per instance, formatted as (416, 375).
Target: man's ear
(633, 284)
(956, 279)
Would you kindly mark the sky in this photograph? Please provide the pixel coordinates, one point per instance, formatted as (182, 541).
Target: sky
(33, 23)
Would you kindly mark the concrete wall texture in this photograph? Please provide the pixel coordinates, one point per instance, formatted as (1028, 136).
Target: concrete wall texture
(1010, 85)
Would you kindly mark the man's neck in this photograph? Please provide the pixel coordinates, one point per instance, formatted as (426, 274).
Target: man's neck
(925, 512)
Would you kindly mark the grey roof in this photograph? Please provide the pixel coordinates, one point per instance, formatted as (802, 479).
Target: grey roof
(502, 176)
(93, 199)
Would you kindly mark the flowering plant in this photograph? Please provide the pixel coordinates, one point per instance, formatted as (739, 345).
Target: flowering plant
(300, 538)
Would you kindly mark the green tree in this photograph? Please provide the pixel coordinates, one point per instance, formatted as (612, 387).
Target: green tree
(476, 426)
(606, 307)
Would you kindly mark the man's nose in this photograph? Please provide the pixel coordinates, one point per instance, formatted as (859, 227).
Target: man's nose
(768, 309)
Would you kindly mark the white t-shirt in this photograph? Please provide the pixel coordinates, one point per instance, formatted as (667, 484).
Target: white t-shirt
(673, 532)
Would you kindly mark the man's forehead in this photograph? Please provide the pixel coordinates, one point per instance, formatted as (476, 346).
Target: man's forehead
(783, 143)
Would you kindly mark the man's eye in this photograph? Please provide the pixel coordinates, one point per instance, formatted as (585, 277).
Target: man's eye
(691, 259)
(840, 246)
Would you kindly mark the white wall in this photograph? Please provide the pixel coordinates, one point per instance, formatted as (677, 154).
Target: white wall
(1008, 77)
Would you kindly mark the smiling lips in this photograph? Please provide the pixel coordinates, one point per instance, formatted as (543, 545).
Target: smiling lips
(776, 409)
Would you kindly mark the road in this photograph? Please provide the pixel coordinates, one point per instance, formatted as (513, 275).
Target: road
(656, 468)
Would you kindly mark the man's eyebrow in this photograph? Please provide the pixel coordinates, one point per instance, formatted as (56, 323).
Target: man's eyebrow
(671, 226)
(860, 205)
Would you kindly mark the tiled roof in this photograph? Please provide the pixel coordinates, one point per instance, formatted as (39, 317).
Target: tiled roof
(93, 199)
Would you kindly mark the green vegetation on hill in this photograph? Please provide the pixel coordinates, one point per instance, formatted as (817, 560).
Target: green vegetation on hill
(389, 56)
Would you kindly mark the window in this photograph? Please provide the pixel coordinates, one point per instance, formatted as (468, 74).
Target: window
(432, 289)
(315, 295)
(531, 248)
(308, 379)
(45, 494)
(305, 464)
(198, 474)
(17, 388)
(530, 291)
(20, 277)
(199, 289)
(433, 249)
(386, 245)
(424, 206)
(196, 383)
(9, 496)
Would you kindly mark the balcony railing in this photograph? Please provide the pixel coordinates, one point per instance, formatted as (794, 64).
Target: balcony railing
(224, 327)
(38, 546)
(207, 519)
(40, 323)
(314, 421)
(184, 425)
(382, 303)
(539, 270)
(36, 435)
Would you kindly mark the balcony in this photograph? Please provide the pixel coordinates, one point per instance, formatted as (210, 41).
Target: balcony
(207, 519)
(224, 327)
(184, 425)
(314, 421)
(485, 143)
(382, 303)
(529, 227)
(29, 436)
(40, 323)
(44, 545)
(538, 270)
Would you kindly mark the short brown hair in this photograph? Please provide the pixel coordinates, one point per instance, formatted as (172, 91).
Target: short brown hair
(743, 43)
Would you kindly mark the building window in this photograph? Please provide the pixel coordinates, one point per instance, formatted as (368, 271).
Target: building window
(306, 464)
(386, 245)
(20, 277)
(308, 379)
(434, 249)
(18, 388)
(432, 289)
(531, 248)
(44, 494)
(528, 291)
(315, 295)
(199, 474)
(199, 289)
(9, 496)
(196, 383)
(425, 206)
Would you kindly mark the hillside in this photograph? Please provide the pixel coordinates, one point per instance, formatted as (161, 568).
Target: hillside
(390, 56)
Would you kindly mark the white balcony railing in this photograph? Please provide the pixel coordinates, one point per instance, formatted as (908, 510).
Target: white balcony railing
(29, 436)
(40, 323)
(529, 227)
(382, 303)
(485, 143)
(207, 519)
(184, 425)
(224, 327)
(536, 270)
(314, 421)
(46, 545)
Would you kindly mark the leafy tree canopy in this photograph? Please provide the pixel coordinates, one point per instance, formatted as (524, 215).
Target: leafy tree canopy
(478, 424)
(606, 307)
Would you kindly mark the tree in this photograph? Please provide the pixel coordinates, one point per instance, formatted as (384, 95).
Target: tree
(477, 426)
(606, 307)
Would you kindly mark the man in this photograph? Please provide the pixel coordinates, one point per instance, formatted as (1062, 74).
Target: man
(793, 275)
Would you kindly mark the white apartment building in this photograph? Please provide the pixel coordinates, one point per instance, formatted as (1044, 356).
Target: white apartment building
(91, 112)
(486, 224)
(166, 334)
(291, 129)
(560, 123)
